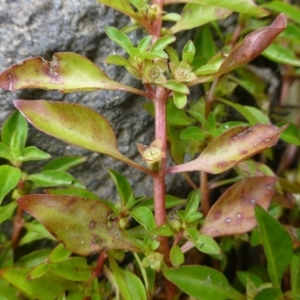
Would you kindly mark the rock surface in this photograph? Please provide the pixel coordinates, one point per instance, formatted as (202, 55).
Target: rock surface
(31, 28)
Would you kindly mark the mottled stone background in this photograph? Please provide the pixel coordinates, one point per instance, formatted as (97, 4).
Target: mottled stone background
(31, 28)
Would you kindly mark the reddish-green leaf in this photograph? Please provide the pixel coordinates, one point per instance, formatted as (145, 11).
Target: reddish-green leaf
(67, 72)
(233, 213)
(253, 45)
(231, 147)
(82, 224)
(74, 124)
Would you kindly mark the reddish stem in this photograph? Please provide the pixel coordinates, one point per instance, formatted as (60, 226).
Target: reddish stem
(18, 224)
(159, 189)
(205, 193)
(98, 269)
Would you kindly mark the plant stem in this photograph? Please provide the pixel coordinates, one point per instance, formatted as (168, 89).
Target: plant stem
(99, 267)
(159, 189)
(160, 134)
(18, 224)
(205, 193)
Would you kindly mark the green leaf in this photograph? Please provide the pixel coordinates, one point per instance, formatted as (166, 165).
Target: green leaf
(75, 124)
(38, 271)
(34, 258)
(192, 132)
(193, 203)
(291, 135)
(9, 179)
(251, 114)
(171, 17)
(177, 145)
(176, 256)
(58, 254)
(73, 268)
(5, 152)
(171, 202)
(240, 6)
(144, 43)
(8, 292)
(155, 54)
(253, 45)
(46, 287)
(164, 230)
(176, 86)
(129, 285)
(121, 39)
(179, 99)
(122, 184)
(64, 163)
(188, 52)
(291, 11)
(7, 211)
(233, 212)
(277, 244)
(144, 216)
(67, 72)
(35, 231)
(295, 272)
(173, 55)
(282, 55)
(231, 147)
(244, 276)
(191, 12)
(268, 293)
(162, 42)
(118, 60)
(83, 225)
(134, 285)
(33, 153)
(54, 178)
(205, 48)
(291, 33)
(124, 7)
(14, 130)
(204, 243)
(176, 116)
(202, 283)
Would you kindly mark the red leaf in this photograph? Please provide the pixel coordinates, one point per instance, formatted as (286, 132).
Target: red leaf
(231, 147)
(233, 213)
(253, 45)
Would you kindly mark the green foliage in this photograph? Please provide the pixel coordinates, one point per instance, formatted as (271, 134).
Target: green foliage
(217, 132)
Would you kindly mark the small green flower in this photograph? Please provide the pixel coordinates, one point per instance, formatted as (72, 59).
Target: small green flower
(182, 72)
(153, 72)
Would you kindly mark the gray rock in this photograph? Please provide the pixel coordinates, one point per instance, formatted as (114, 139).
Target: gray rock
(31, 28)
